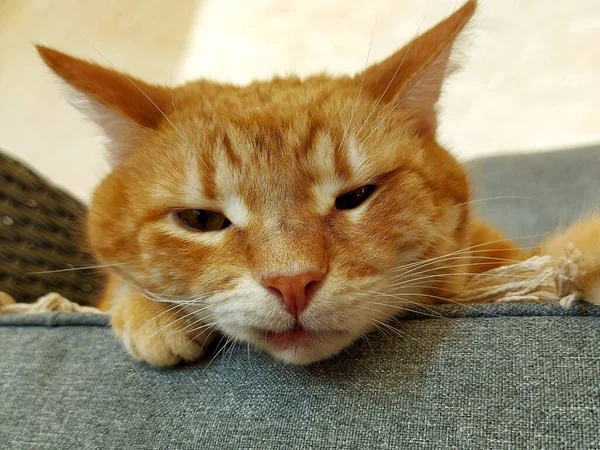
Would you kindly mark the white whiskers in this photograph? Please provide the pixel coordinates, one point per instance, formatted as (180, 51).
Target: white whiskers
(391, 80)
(71, 269)
(362, 79)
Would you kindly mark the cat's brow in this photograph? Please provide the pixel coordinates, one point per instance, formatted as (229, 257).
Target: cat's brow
(193, 185)
(236, 211)
(357, 160)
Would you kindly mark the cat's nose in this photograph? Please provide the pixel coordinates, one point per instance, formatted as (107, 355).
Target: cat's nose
(296, 290)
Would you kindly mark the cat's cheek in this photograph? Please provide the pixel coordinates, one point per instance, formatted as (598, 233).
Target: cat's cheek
(183, 262)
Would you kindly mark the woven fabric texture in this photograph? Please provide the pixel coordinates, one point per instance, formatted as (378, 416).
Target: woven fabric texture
(41, 230)
(491, 376)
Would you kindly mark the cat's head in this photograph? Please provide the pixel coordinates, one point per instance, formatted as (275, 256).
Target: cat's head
(289, 211)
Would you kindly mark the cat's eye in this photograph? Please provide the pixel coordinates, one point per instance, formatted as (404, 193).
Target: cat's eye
(203, 220)
(354, 198)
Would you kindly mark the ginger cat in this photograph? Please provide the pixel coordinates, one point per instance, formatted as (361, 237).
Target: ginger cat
(292, 214)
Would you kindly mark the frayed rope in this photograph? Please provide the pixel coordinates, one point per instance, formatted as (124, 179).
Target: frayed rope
(51, 302)
(538, 279)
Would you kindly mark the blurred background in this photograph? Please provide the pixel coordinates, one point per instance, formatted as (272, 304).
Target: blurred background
(529, 82)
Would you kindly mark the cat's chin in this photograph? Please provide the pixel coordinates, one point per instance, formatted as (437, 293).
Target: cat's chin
(301, 346)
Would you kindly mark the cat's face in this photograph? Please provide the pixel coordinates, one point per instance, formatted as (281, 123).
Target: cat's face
(275, 172)
(284, 212)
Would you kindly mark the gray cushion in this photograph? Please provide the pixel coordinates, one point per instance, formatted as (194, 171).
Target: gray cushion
(557, 188)
(483, 376)
(488, 377)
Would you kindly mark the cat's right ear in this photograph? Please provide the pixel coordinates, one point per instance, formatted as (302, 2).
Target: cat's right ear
(412, 78)
(124, 107)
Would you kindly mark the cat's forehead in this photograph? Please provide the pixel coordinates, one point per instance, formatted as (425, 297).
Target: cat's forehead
(274, 148)
(281, 128)
(255, 171)
(276, 160)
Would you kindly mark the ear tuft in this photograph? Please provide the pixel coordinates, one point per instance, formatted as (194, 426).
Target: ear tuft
(414, 75)
(121, 105)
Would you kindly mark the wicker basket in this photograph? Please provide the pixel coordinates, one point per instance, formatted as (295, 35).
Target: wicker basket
(41, 231)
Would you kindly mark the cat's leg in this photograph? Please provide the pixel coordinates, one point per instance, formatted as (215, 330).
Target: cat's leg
(489, 248)
(159, 333)
(481, 249)
(582, 243)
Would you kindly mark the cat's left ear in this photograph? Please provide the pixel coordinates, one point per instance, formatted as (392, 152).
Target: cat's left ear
(412, 78)
(123, 106)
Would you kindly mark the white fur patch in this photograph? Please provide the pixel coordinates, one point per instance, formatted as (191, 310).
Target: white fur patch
(208, 238)
(201, 237)
(249, 305)
(356, 214)
(324, 193)
(193, 185)
(359, 165)
(328, 185)
(235, 210)
(227, 180)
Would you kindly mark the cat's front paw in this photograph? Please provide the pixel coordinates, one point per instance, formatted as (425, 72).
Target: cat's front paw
(158, 333)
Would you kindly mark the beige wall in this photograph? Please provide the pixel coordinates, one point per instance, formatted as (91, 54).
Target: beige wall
(530, 80)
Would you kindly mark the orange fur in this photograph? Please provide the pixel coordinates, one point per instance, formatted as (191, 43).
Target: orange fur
(585, 237)
(273, 156)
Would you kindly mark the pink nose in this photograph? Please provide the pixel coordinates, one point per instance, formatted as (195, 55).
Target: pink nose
(296, 290)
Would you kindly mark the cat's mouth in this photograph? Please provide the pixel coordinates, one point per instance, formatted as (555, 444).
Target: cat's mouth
(300, 344)
(291, 338)
(295, 337)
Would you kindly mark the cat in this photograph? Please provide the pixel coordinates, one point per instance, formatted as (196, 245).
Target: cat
(295, 215)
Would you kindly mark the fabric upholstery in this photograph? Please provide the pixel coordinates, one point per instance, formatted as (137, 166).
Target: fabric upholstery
(489, 376)
(556, 187)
